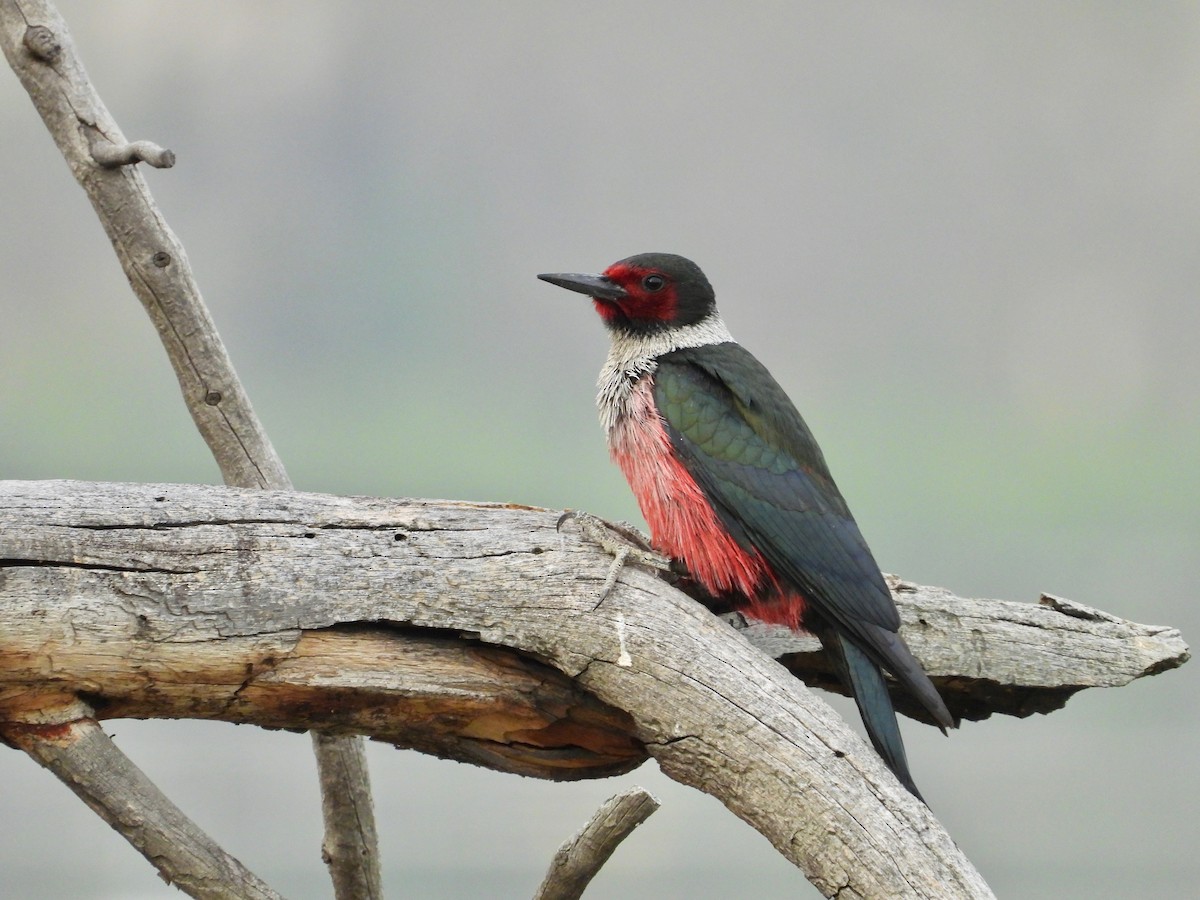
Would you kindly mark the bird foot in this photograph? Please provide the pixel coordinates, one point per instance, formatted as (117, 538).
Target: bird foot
(620, 539)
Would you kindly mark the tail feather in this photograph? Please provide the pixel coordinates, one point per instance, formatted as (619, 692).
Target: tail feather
(869, 688)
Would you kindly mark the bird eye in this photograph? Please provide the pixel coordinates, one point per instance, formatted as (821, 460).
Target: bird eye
(653, 282)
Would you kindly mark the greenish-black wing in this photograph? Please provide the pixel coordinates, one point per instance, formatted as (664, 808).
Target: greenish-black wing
(739, 435)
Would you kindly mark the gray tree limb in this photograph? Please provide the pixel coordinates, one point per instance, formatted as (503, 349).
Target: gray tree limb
(166, 577)
(81, 754)
(996, 656)
(42, 54)
(579, 860)
(150, 254)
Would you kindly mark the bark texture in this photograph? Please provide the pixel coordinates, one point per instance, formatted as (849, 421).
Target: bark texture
(997, 656)
(126, 575)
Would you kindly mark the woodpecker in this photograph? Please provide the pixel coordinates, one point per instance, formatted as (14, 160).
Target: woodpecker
(733, 485)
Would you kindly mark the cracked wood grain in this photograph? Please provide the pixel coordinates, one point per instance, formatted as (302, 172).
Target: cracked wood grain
(996, 656)
(714, 711)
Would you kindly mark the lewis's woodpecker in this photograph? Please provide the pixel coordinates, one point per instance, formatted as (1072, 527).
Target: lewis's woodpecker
(733, 485)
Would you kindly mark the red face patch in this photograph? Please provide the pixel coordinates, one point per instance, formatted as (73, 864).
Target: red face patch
(652, 295)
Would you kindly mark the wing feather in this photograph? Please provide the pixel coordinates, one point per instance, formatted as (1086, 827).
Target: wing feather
(739, 435)
(743, 441)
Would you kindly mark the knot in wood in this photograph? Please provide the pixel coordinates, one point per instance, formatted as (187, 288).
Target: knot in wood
(41, 42)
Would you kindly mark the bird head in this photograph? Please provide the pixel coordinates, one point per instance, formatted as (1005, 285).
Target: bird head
(647, 292)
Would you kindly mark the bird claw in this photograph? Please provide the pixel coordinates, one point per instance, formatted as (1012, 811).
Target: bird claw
(622, 541)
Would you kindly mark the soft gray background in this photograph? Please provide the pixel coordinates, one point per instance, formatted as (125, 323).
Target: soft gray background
(963, 236)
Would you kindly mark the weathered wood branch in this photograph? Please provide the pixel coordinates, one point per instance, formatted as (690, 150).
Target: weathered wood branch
(445, 696)
(579, 860)
(40, 50)
(79, 752)
(150, 254)
(996, 656)
(988, 656)
(148, 576)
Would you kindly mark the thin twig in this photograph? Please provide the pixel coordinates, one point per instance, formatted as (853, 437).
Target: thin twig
(41, 52)
(580, 858)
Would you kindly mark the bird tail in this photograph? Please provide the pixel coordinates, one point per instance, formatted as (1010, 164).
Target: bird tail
(868, 686)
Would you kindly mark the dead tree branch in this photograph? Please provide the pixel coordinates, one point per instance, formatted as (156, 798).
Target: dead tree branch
(160, 578)
(996, 656)
(150, 254)
(579, 860)
(81, 754)
(41, 52)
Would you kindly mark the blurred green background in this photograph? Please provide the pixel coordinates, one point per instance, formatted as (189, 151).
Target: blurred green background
(963, 237)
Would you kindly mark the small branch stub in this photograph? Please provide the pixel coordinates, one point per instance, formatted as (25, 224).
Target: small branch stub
(111, 156)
